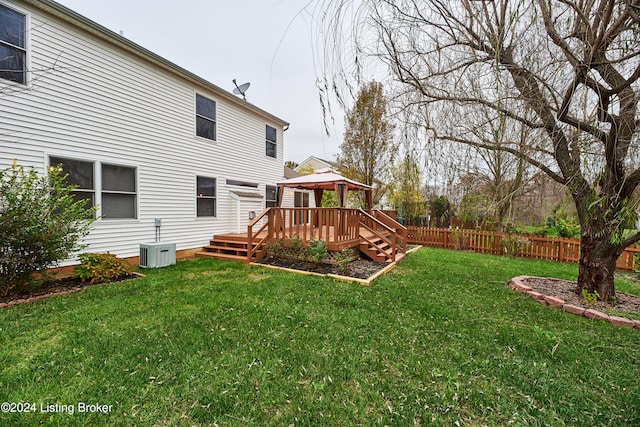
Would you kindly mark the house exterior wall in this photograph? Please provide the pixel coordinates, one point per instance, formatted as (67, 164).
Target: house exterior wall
(288, 199)
(95, 101)
(314, 164)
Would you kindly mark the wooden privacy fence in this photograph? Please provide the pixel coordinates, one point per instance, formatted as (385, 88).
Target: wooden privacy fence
(548, 248)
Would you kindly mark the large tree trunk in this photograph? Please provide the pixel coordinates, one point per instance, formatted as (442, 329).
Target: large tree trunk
(597, 266)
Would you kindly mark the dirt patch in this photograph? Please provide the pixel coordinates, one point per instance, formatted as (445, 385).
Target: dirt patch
(359, 269)
(567, 291)
(55, 287)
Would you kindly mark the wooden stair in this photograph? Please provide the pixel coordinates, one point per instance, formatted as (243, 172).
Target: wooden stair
(229, 247)
(377, 249)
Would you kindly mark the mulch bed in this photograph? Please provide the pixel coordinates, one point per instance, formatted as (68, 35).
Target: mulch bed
(567, 290)
(58, 286)
(360, 268)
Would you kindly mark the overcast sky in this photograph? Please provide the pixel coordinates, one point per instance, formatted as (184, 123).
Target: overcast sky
(268, 43)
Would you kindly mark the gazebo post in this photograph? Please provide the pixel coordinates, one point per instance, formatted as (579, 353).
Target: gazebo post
(368, 194)
(280, 194)
(317, 196)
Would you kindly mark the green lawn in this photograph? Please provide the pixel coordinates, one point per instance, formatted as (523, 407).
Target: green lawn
(439, 340)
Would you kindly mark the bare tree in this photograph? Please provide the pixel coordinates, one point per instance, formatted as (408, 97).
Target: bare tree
(567, 70)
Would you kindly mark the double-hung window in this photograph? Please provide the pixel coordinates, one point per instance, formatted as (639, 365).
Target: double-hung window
(271, 195)
(206, 196)
(112, 188)
(205, 117)
(118, 191)
(272, 145)
(81, 175)
(13, 46)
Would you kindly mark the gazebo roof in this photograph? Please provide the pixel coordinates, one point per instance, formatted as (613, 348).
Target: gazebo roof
(326, 179)
(323, 179)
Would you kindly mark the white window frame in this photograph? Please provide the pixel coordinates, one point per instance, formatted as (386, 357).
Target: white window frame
(267, 200)
(196, 116)
(93, 190)
(98, 187)
(128, 193)
(215, 197)
(268, 142)
(26, 49)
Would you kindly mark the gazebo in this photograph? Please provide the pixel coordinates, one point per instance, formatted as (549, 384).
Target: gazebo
(326, 179)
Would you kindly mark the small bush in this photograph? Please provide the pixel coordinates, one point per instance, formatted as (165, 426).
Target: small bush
(513, 245)
(343, 259)
(41, 223)
(590, 298)
(567, 228)
(101, 268)
(317, 252)
(295, 248)
(531, 230)
(274, 249)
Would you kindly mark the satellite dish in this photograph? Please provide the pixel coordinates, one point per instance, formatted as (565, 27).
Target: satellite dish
(240, 90)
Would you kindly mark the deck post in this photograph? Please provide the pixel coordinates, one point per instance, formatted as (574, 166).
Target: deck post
(270, 225)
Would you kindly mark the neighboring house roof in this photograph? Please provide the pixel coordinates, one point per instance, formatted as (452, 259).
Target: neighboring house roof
(317, 161)
(290, 173)
(109, 36)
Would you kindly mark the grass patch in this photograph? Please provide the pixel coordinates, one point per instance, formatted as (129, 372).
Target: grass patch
(438, 340)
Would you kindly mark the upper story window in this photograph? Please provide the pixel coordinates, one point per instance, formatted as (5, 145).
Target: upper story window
(13, 48)
(205, 117)
(272, 146)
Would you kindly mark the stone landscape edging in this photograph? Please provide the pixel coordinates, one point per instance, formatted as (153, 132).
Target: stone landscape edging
(518, 284)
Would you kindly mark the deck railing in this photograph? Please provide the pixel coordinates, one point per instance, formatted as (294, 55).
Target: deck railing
(258, 237)
(336, 226)
(332, 225)
(398, 228)
(381, 231)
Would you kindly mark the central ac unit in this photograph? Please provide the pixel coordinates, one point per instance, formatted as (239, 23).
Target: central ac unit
(157, 254)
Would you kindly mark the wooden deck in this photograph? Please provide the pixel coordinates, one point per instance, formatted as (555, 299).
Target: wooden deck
(377, 236)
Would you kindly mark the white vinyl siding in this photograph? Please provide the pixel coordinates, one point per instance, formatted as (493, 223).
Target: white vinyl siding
(102, 103)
